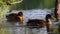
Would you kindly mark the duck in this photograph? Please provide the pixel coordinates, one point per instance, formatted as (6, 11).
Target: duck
(39, 23)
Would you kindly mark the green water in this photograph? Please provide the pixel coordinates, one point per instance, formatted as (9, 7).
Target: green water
(33, 4)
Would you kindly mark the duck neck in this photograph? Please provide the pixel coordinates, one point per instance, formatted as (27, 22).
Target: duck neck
(49, 22)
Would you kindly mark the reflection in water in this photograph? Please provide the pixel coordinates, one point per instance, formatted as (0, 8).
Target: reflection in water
(25, 30)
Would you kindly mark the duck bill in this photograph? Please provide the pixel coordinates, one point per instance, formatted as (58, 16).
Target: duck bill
(53, 18)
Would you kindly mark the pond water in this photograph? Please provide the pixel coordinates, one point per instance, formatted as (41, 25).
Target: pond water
(28, 14)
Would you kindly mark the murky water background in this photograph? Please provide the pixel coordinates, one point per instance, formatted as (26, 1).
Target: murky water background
(28, 14)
